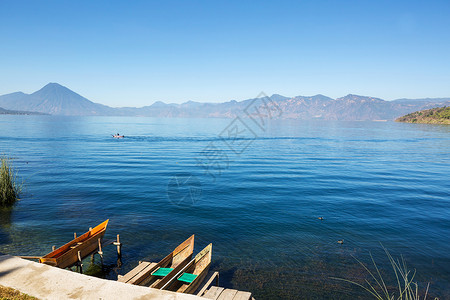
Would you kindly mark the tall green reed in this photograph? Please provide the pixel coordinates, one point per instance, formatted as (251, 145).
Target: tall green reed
(406, 288)
(9, 188)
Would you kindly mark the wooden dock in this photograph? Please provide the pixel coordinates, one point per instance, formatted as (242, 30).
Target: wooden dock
(205, 291)
(138, 274)
(220, 293)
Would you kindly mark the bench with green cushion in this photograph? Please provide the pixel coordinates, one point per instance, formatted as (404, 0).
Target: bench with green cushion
(187, 277)
(162, 272)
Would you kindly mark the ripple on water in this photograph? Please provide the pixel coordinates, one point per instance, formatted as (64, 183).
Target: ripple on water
(371, 182)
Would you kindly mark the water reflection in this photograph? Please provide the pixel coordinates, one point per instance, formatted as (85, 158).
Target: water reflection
(5, 224)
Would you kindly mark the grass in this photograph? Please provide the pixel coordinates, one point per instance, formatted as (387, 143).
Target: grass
(406, 287)
(9, 189)
(12, 294)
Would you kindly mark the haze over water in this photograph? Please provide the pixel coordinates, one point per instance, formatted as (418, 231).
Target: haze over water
(372, 182)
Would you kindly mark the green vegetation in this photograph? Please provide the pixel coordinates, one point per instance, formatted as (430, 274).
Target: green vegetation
(12, 294)
(9, 189)
(440, 115)
(407, 288)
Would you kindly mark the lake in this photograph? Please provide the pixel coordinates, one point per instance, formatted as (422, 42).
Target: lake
(255, 192)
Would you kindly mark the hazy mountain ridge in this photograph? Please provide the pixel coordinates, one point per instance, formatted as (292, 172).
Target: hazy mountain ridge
(59, 100)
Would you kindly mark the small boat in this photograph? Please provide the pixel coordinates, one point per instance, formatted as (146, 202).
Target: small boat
(67, 255)
(156, 275)
(192, 275)
(118, 136)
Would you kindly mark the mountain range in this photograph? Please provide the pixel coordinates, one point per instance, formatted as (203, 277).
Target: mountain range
(56, 99)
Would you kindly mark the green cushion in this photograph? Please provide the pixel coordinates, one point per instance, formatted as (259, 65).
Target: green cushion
(162, 272)
(187, 277)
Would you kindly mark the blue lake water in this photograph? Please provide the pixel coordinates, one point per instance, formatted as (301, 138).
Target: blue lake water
(254, 192)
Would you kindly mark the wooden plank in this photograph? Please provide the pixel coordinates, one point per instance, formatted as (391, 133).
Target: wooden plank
(71, 257)
(134, 272)
(213, 293)
(242, 296)
(193, 286)
(141, 276)
(228, 294)
(208, 283)
(200, 267)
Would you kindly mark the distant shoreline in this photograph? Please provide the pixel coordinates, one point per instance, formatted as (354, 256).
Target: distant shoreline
(18, 112)
(438, 116)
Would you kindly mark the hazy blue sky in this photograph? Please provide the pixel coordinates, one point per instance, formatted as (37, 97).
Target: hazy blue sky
(133, 53)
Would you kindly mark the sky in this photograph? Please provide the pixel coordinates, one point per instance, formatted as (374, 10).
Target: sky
(133, 53)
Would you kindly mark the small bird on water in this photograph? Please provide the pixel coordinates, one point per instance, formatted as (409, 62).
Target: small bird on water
(340, 241)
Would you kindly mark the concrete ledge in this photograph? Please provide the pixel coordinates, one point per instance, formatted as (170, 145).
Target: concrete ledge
(46, 282)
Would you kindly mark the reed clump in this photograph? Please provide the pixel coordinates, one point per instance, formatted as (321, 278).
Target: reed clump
(406, 287)
(9, 188)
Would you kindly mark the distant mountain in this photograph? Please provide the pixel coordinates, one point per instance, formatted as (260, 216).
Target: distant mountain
(350, 108)
(440, 115)
(59, 100)
(424, 100)
(54, 99)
